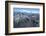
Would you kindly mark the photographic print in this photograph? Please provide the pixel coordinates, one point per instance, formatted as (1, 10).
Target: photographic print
(24, 17)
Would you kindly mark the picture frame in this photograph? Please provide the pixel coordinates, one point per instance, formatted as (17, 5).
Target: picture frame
(26, 7)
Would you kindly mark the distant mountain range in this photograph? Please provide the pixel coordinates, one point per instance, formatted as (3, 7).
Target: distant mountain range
(15, 13)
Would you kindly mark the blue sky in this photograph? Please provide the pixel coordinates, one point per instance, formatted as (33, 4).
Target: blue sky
(27, 10)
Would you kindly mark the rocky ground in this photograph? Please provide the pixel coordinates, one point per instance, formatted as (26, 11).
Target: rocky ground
(22, 20)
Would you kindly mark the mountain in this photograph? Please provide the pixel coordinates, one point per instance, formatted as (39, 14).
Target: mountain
(15, 13)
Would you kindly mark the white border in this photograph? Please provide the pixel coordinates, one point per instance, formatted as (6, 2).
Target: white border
(30, 29)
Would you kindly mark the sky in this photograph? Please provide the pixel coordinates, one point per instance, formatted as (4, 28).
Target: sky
(27, 10)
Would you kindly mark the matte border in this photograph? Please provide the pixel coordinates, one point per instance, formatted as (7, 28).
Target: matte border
(6, 17)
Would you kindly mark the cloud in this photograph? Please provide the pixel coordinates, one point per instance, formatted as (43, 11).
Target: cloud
(26, 10)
